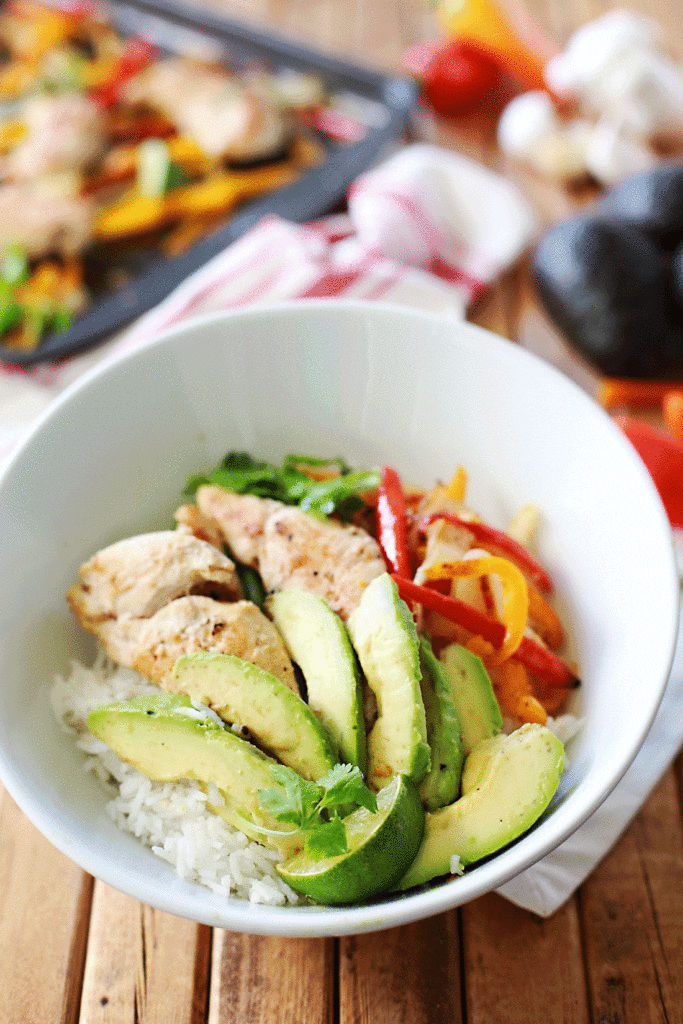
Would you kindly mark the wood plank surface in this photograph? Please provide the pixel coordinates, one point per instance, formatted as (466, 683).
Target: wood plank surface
(44, 913)
(71, 953)
(633, 917)
(519, 968)
(261, 979)
(143, 965)
(407, 975)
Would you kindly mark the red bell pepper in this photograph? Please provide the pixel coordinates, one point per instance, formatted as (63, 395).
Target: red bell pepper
(452, 608)
(516, 552)
(545, 665)
(663, 455)
(137, 55)
(540, 661)
(392, 523)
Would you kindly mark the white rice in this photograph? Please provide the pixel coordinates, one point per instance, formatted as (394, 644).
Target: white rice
(174, 820)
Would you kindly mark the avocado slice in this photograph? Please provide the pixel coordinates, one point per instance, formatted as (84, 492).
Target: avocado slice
(248, 695)
(473, 694)
(385, 638)
(512, 781)
(160, 735)
(318, 641)
(441, 785)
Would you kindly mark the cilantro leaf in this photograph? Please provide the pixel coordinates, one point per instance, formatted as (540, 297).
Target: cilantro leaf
(295, 800)
(317, 808)
(328, 839)
(293, 483)
(343, 785)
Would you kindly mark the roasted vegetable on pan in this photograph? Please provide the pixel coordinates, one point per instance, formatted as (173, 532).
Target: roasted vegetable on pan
(107, 141)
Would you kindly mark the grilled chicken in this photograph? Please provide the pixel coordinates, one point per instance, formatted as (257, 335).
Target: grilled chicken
(191, 520)
(136, 577)
(294, 550)
(216, 111)
(66, 132)
(41, 223)
(191, 624)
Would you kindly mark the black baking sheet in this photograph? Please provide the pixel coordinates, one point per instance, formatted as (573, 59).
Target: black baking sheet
(172, 27)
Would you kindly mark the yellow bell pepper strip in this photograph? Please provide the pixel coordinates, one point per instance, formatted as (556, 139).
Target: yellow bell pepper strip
(490, 537)
(513, 690)
(457, 485)
(543, 663)
(392, 523)
(515, 594)
(11, 134)
(133, 215)
(221, 193)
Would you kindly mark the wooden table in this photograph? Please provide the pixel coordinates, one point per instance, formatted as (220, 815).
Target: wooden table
(73, 950)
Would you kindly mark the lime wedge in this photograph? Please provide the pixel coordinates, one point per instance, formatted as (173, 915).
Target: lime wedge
(381, 847)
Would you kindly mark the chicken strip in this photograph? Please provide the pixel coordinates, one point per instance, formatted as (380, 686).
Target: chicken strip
(41, 223)
(214, 109)
(191, 624)
(293, 550)
(65, 132)
(136, 577)
(191, 520)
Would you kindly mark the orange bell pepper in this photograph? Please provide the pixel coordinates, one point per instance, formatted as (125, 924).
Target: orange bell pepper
(543, 663)
(513, 689)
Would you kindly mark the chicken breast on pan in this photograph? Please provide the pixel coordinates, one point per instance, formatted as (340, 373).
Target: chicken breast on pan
(293, 550)
(224, 118)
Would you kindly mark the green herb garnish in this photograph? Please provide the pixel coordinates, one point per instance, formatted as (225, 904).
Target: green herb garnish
(290, 483)
(316, 808)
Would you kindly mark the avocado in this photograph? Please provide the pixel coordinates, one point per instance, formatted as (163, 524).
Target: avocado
(473, 695)
(606, 286)
(512, 782)
(441, 785)
(652, 202)
(161, 736)
(385, 638)
(318, 641)
(248, 695)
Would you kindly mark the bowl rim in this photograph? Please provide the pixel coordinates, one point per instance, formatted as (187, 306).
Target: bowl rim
(309, 921)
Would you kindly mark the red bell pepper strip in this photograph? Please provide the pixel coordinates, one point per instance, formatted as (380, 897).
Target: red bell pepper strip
(545, 665)
(540, 661)
(137, 55)
(516, 552)
(392, 529)
(452, 608)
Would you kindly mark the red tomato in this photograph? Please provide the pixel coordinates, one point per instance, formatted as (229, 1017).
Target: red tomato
(455, 75)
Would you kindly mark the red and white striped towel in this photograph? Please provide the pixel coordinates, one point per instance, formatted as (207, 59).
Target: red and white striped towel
(427, 228)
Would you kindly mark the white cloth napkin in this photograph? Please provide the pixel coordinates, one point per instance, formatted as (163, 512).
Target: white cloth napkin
(427, 228)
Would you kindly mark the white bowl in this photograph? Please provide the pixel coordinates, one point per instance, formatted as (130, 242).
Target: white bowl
(377, 385)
